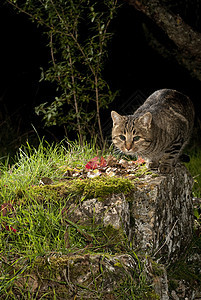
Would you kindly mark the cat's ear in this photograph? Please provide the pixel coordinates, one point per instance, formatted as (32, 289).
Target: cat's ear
(116, 118)
(145, 120)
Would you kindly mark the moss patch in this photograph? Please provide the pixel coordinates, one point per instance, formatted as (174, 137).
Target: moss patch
(87, 188)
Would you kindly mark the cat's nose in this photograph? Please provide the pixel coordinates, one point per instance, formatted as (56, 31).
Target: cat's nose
(128, 146)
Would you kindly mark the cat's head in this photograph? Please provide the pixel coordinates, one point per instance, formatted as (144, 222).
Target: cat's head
(132, 135)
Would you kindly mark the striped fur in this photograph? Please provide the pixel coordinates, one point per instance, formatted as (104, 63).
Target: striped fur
(157, 131)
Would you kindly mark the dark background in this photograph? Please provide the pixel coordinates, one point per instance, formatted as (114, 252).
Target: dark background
(132, 67)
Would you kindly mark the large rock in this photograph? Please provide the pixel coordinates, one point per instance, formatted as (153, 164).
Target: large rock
(157, 216)
(162, 214)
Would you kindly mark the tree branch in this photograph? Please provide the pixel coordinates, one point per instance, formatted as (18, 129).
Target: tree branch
(187, 41)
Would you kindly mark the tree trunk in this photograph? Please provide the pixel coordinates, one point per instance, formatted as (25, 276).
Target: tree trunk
(157, 216)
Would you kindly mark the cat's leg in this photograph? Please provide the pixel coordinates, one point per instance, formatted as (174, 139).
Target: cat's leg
(165, 168)
(153, 165)
(167, 163)
(170, 158)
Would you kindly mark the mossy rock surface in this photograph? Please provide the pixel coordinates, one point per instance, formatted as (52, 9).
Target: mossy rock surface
(90, 276)
(88, 188)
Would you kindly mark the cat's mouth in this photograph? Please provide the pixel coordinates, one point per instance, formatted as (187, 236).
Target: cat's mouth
(129, 151)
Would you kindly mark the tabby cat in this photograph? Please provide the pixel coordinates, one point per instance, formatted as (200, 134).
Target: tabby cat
(157, 131)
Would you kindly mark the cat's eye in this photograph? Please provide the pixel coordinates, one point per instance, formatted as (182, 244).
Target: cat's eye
(122, 137)
(136, 138)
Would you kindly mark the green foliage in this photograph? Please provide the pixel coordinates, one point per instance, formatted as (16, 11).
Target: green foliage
(78, 34)
(45, 161)
(194, 166)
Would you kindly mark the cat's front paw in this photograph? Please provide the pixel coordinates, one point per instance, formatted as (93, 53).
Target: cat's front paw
(153, 165)
(165, 169)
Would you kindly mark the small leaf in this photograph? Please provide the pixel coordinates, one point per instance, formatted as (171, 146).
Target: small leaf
(139, 161)
(196, 213)
(93, 163)
(103, 162)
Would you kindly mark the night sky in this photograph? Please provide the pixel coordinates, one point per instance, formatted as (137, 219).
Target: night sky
(133, 68)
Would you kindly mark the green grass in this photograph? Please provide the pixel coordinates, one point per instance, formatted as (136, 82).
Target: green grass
(194, 166)
(39, 226)
(45, 161)
(36, 223)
